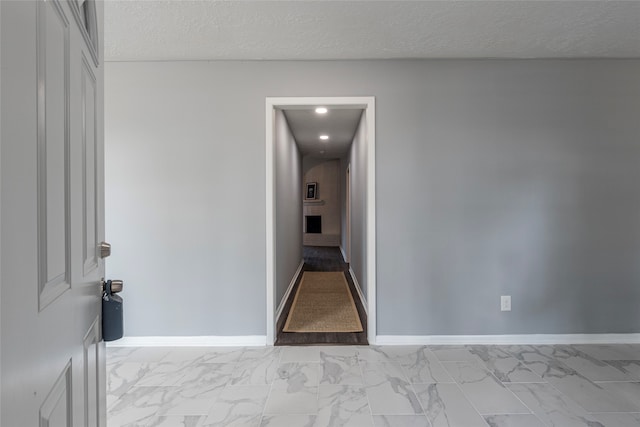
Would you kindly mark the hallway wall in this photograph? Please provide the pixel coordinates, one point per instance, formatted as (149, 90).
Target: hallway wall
(326, 175)
(357, 157)
(494, 177)
(288, 205)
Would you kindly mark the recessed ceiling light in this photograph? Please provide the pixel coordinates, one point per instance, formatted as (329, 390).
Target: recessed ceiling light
(321, 110)
(324, 137)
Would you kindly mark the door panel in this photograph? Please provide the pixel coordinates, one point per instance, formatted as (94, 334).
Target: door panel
(56, 408)
(91, 375)
(53, 148)
(52, 367)
(89, 169)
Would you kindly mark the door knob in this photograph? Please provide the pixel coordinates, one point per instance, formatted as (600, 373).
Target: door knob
(111, 286)
(105, 249)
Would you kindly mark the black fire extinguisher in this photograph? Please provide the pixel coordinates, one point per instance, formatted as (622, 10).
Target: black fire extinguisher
(112, 324)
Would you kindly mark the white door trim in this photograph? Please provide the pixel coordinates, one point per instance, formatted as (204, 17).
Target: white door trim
(368, 104)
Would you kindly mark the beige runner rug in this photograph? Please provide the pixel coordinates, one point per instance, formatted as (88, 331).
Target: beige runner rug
(323, 303)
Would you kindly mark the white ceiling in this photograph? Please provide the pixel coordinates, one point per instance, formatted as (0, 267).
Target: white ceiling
(296, 29)
(139, 30)
(339, 124)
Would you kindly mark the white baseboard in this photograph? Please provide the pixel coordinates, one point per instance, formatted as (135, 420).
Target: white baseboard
(344, 254)
(359, 289)
(288, 292)
(508, 339)
(261, 340)
(205, 341)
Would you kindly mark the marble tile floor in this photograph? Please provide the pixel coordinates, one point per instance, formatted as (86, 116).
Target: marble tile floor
(391, 386)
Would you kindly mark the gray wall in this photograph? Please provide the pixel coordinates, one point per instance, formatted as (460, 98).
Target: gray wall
(327, 177)
(493, 178)
(357, 158)
(185, 199)
(288, 167)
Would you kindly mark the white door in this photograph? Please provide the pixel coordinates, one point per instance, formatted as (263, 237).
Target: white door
(51, 214)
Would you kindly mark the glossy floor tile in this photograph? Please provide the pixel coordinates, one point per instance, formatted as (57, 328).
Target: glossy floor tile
(484, 391)
(446, 406)
(552, 407)
(619, 420)
(503, 365)
(372, 386)
(400, 421)
(343, 405)
(421, 366)
(518, 420)
(388, 390)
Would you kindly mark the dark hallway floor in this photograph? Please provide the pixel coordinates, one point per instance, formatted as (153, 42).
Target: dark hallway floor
(319, 258)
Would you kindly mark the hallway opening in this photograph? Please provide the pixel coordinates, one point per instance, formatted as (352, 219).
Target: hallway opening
(309, 202)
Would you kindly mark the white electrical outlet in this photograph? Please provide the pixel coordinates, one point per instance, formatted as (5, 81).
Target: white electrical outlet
(505, 303)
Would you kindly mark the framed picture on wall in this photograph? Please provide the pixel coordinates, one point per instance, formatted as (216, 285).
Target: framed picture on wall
(312, 190)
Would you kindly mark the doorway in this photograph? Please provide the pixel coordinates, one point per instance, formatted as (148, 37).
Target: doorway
(368, 255)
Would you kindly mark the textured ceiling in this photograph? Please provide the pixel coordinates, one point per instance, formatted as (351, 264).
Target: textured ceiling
(340, 124)
(210, 30)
